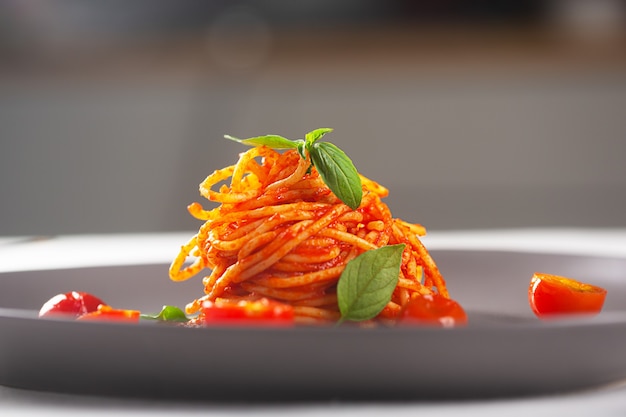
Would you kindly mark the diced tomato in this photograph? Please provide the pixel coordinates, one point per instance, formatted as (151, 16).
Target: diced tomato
(434, 310)
(108, 313)
(264, 312)
(71, 304)
(550, 295)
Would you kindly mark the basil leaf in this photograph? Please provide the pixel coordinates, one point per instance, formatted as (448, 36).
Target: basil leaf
(301, 150)
(316, 134)
(368, 281)
(338, 172)
(168, 313)
(272, 141)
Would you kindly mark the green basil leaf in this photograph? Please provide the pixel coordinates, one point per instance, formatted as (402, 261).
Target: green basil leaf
(301, 150)
(368, 281)
(316, 134)
(272, 141)
(338, 172)
(168, 313)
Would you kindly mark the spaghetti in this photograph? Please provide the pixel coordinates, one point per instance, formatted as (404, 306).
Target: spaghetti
(280, 233)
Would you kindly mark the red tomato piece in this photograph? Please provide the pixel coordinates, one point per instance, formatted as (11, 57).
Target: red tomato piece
(434, 310)
(72, 304)
(108, 313)
(263, 312)
(550, 295)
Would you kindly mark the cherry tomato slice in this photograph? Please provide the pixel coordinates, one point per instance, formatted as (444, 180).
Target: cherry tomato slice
(71, 304)
(264, 312)
(108, 313)
(550, 295)
(434, 310)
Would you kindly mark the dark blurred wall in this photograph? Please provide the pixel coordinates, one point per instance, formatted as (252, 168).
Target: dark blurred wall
(474, 114)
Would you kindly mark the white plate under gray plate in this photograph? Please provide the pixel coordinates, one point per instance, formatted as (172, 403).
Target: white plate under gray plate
(504, 351)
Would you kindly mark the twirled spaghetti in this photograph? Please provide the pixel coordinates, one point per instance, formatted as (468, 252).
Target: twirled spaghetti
(279, 232)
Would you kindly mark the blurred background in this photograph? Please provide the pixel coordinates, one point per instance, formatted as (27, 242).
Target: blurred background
(475, 114)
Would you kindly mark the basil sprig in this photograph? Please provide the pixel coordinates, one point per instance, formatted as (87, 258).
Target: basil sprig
(368, 281)
(334, 166)
(168, 313)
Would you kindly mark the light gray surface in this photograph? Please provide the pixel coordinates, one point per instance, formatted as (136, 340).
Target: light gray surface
(609, 402)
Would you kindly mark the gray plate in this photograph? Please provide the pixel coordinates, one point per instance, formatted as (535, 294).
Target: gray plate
(504, 351)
